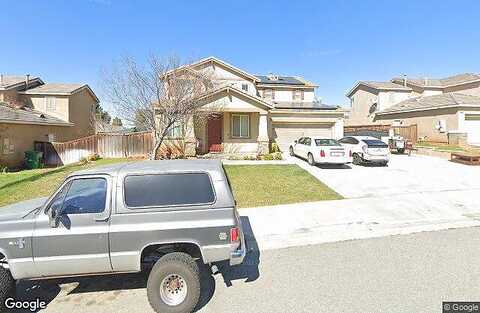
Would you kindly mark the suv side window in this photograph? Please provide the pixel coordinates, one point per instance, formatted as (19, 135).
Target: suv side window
(300, 141)
(57, 201)
(307, 141)
(86, 195)
(156, 190)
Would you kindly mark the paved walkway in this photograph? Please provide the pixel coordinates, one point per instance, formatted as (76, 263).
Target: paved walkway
(413, 194)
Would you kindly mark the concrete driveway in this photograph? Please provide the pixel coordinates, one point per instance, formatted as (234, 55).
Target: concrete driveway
(404, 175)
(412, 194)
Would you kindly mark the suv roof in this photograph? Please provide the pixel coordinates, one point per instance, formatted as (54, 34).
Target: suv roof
(153, 166)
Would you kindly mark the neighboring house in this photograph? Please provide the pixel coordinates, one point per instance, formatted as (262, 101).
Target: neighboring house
(32, 110)
(447, 117)
(256, 110)
(368, 97)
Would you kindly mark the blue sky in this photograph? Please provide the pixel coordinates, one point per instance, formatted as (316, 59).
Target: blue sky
(333, 43)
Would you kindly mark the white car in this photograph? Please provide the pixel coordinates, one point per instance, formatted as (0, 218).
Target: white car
(366, 149)
(319, 150)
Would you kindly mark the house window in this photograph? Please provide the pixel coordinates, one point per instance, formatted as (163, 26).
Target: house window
(245, 87)
(50, 103)
(7, 146)
(176, 130)
(240, 126)
(298, 95)
(269, 94)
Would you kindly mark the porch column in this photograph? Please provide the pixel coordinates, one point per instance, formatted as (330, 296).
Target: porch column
(190, 139)
(263, 139)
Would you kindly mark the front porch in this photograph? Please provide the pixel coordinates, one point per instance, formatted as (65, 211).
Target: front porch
(239, 133)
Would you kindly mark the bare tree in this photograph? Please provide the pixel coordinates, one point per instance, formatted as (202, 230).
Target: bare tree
(160, 96)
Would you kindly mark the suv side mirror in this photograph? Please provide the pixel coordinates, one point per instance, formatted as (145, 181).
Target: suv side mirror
(54, 217)
(295, 141)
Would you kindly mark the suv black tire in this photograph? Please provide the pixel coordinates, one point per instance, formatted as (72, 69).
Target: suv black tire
(176, 263)
(357, 159)
(7, 287)
(290, 150)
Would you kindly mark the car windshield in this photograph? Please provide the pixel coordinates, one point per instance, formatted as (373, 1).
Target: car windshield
(375, 143)
(326, 142)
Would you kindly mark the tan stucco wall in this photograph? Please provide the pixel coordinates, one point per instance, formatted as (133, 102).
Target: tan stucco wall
(81, 107)
(37, 102)
(22, 137)
(361, 101)
(426, 122)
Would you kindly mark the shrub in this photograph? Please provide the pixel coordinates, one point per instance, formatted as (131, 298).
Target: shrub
(274, 148)
(277, 156)
(83, 161)
(93, 157)
(268, 157)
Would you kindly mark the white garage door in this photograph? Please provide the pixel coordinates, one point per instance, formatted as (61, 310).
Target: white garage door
(285, 134)
(472, 128)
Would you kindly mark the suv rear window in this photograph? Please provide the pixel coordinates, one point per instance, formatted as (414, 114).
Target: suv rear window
(375, 143)
(155, 190)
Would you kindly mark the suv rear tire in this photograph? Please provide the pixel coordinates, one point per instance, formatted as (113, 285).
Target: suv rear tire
(174, 284)
(7, 287)
(357, 159)
(290, 150)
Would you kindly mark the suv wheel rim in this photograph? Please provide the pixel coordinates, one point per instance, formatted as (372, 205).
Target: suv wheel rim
(310, 159)
(173, 289)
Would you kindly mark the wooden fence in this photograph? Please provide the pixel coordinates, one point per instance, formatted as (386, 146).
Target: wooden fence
(408, 132)
(105, 145)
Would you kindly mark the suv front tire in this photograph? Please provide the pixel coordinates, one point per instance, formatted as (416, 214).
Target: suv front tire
(7, 287)
(174, 284)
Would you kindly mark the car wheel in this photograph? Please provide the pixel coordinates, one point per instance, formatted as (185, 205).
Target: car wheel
(291, 151)
(310, 159)
(357, 160)
(7, 287)
(174, 284)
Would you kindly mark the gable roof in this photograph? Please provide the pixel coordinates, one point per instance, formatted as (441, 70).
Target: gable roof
(378, 86)
(12, 115)
(213, 59)
(59, 89)
(13, 81)
(450, 81)
(446, 100)
(237, 91)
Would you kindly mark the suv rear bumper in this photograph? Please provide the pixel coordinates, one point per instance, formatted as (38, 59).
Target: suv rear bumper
(237, 256)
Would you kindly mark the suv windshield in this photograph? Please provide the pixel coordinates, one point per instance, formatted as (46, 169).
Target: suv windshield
(375, 143)
(326, 142)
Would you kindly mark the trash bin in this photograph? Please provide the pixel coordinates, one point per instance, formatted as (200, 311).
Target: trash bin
(32, 159)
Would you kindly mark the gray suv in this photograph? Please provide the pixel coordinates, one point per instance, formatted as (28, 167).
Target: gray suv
(166, 214)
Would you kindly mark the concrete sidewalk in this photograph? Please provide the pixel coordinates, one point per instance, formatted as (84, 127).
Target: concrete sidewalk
(331, 221)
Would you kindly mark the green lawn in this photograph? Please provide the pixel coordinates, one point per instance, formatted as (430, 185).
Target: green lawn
(254, 185)
(442, 147)
(30, 184)
(261, 185)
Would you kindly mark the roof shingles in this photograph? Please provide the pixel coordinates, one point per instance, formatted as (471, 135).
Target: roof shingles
(15, 115)
(433, 102)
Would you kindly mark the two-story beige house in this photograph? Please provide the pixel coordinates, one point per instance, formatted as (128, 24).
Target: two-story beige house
(32, 110)
(439, 107)
(256, 110)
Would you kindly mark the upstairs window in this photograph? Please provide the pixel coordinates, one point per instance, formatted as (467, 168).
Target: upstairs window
(269, 94)
(298, 95)
(245, 87)
(50, 104)
(176, 130)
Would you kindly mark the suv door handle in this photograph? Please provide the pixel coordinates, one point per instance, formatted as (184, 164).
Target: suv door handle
(102, 219)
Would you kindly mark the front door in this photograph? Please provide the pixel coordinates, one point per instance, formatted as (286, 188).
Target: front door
(79, 243)
(214, 133)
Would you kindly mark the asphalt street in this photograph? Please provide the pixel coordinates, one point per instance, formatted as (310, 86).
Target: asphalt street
(405, 273)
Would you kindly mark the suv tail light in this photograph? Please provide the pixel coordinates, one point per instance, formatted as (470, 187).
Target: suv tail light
(350, 153)
(322, 153)
(234, 234)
